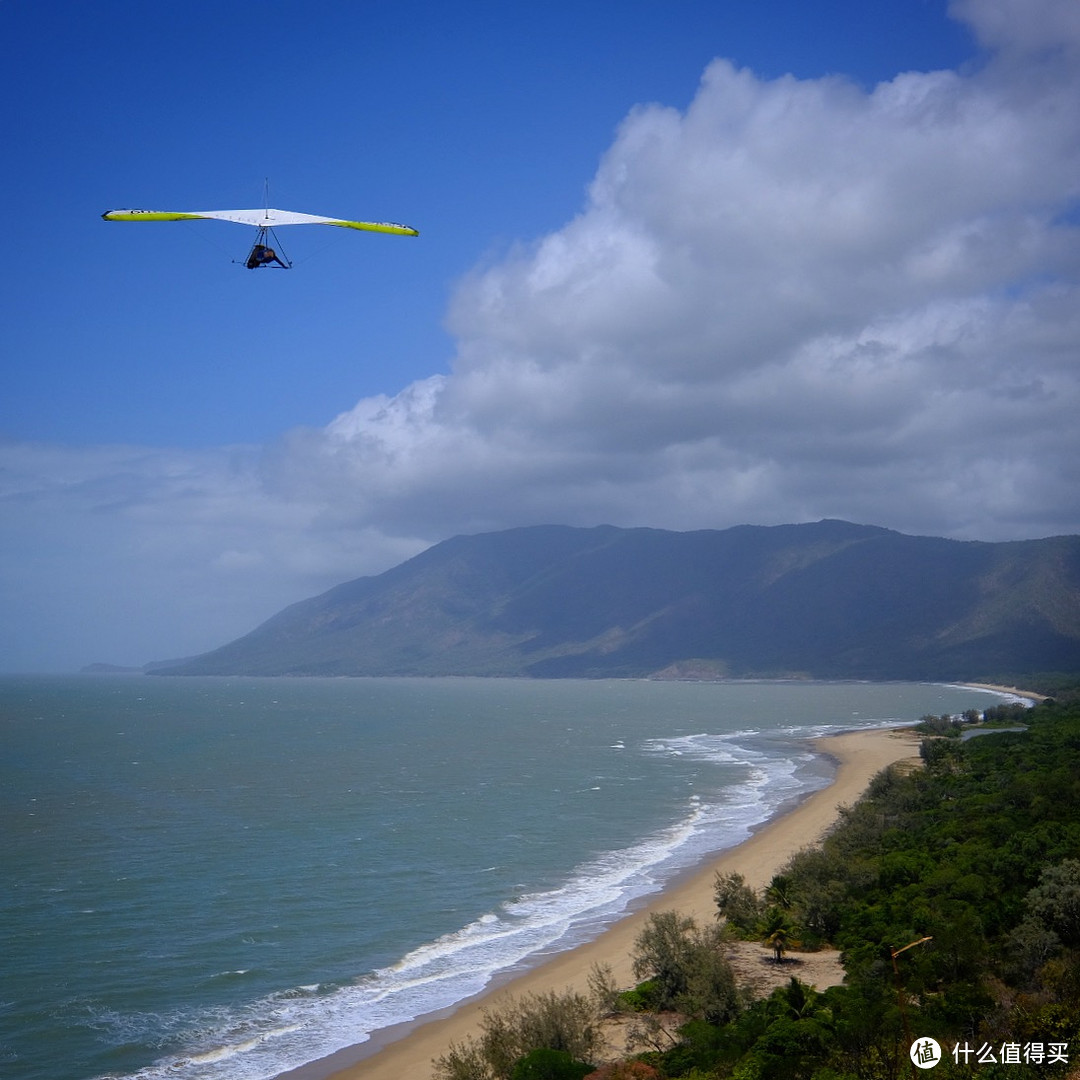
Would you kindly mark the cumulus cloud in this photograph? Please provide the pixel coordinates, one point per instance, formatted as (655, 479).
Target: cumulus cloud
(798, 298)
(1025, 27)
(795, 299)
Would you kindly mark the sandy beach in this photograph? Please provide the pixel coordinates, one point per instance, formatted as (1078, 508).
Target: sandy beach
(409, 1050)
(1029, 695)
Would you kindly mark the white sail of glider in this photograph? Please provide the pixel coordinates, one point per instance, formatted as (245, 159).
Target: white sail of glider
(261, 219)
(265, 221)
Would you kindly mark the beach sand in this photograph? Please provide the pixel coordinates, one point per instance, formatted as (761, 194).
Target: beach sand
(410, 1049)
(1030, 695)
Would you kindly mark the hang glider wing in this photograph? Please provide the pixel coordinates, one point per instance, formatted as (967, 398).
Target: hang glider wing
(261, 219)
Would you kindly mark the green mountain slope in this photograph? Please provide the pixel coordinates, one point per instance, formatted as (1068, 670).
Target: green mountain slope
(829, 599)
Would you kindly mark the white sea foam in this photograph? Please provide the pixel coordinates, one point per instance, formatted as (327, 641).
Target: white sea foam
(1008, 695)
(301, 1025)
(224, 951)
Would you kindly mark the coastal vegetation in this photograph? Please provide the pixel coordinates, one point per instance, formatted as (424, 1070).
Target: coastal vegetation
(539, 1037)
(953, 894)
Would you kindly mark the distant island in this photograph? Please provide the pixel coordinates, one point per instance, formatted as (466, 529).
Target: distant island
(824, 600)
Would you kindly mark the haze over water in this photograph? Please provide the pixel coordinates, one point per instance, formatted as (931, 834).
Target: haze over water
(225, 878)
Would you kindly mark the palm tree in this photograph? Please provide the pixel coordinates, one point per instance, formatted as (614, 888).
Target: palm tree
(800, 1000)
(779, 893)
(778, 932)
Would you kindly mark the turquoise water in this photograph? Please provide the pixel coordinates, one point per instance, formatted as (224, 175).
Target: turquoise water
(226, 878)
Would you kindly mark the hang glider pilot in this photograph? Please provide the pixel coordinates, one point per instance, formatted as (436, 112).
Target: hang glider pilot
(261, 255)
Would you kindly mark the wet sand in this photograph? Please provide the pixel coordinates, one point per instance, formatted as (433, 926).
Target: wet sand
(410, 1049)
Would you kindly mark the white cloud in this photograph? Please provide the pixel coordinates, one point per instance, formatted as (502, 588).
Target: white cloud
(128, 554)
(1027, 27)
(796, 299)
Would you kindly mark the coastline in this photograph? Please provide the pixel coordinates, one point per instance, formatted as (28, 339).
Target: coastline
(410, 1049)
(1013, 691)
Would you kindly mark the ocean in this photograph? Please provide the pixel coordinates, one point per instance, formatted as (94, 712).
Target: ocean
(226, 878)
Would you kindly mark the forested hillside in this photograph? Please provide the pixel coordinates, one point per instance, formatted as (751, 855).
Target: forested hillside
(828, 599)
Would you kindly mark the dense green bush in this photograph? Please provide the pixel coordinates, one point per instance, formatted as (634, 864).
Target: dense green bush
(644, 997)
(979, 854)
(544, 1064)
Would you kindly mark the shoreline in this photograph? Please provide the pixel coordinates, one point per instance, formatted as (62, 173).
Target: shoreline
(409, 1049)
(1011, 691)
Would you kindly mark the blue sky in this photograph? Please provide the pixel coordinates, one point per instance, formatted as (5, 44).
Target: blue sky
(479, 123)
(680, 264)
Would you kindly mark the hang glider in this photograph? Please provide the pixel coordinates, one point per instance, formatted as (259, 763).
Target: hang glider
(261, 219)
(265, 221)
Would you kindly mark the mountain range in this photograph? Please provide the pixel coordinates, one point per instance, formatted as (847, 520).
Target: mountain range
(827, 600)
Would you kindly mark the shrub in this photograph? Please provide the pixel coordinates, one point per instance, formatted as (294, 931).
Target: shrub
(564, 1022)
(544, 1064)
(641, 998)
(687, 968)
(736, 902)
